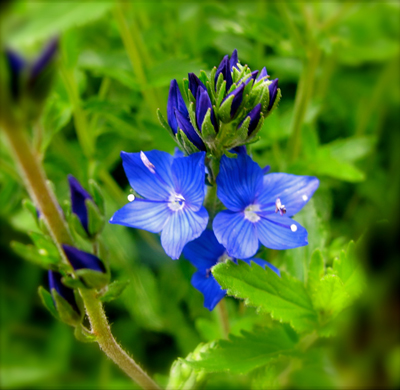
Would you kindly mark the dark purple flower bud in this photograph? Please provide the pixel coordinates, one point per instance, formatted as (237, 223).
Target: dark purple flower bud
(175, 102)
(185, 125)
(203, 103)
(44, 59)
(83, 260)
(239, 150)
(16, 65)
(253, 76)
(234, 60)
(226, 72)
(63, 291)
(195, 83)
(78, 197)
(255, 115)
(263, 74)
(273, 90)
(237, 100)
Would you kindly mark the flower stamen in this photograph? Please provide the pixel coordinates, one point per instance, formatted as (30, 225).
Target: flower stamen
(280, 207)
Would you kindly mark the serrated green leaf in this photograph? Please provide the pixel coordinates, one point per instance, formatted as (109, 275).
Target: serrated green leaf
(48, 302)
(316, 271)
(284, 298)
(241, 354)
(114, 290)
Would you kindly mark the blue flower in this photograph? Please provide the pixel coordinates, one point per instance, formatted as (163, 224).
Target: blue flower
(83, 260)
(257, 206)
(204, 253)
(65, 292)
(78, 198)
(178, 116)
(173, 189)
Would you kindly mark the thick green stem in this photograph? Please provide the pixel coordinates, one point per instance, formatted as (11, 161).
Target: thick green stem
(35, 181)
(303, 96)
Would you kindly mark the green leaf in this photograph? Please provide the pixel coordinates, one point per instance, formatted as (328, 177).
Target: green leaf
(93, 279)
(284, 298)
(84, 335)
(37, 256)
(165, 124)
(66, 312)
(95, 218)
(349, 270)
(50, 19)
(224, 110)
(97, 195)
(114, 290)
(351, 149)
(48, 302)
(45, 246)
(242, 354)
(316, 271)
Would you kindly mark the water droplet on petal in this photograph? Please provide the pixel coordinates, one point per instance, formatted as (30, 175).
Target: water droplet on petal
(131, 197)
(305, 198)
(293, 227)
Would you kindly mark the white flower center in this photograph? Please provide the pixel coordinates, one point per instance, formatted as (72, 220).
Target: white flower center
(176, 202)
(250, 212)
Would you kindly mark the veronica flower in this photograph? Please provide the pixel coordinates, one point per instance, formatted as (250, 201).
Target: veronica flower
(178, 116)
(204, 253)
(259, 207)
(173, 191)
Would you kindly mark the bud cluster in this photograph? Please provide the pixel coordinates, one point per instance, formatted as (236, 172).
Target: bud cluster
(225, 109)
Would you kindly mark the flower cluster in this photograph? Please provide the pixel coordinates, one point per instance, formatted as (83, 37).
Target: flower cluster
(225, 111)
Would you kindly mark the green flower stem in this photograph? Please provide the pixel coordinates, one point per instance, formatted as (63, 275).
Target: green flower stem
(101, 329)
(35, 181)
(222, 312)
(135, 56)
(303, 96)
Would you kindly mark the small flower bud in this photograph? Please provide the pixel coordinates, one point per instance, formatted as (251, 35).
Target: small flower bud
(83, 260)
(203, 103)
(255, 115)
(63, 291)
(224, 68)
(195, 83)
(273, 91)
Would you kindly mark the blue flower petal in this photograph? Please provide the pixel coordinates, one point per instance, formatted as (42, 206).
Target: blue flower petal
(80, 259)
(293, 191)
(239, 182)
(263, 263)
(237, 234)
(175, 102)
(186, 126)
(178, 153)
(78, 197)
(209, 287)
(154, 186)
(143, 214)
(280, 232)
(184, 225)
(189, 176)
(205, 251)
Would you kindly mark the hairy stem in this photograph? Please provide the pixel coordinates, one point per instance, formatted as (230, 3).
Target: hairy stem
(35, 181)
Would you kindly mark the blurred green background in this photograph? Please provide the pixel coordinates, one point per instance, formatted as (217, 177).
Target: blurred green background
(338, 69)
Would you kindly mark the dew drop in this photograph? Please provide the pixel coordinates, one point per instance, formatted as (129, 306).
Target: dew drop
(293, 227)
(42, 252)
(131, 197)
(305, 198)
